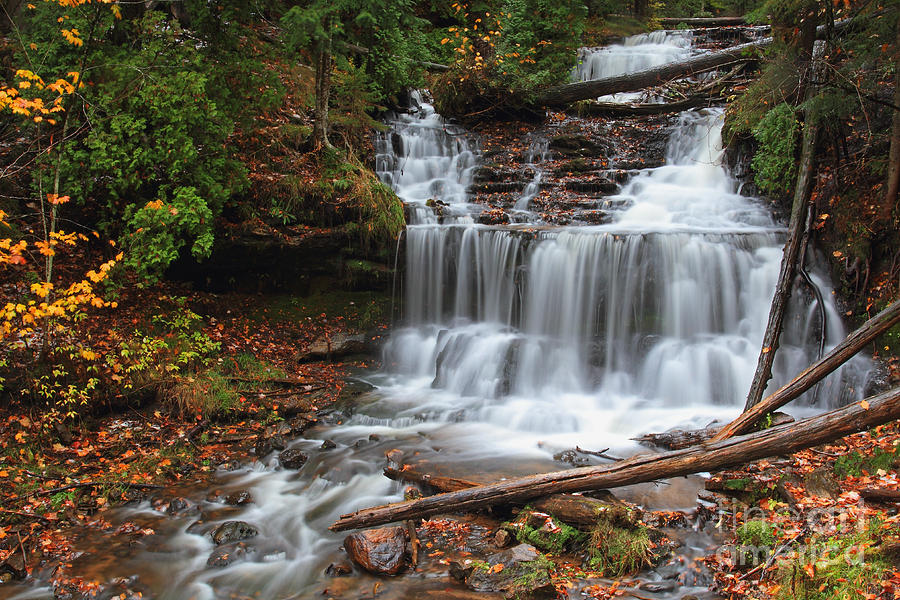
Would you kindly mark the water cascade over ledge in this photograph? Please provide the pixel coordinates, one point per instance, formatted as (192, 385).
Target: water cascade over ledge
(517, 342)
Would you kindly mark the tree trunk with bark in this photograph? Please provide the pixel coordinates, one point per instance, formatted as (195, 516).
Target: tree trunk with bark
(893, 179)
(649, 467)
(324, 64)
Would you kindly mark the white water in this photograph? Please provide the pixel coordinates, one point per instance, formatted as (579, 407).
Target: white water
(636, 53)
(520, 342)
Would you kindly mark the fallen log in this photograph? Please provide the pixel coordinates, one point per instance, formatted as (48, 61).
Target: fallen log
(676, 439)
(703, 21)
(569, 508)
(648, 108)
(840, 354)
(562, 95)
(648, 467)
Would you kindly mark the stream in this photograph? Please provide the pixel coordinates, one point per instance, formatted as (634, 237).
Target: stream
(517, 343)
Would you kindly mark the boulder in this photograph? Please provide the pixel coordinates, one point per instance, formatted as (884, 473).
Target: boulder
(335, 346)
(233, 531)
(380, 551)
(292, 458)
(520, 572)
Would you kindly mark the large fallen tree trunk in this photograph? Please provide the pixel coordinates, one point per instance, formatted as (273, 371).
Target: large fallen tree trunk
(840, 354)
(648, 467)
(584, 90)
(564, 94)
(568, 508)
(703, 21)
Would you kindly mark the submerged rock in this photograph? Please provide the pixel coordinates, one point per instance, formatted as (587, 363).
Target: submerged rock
(239, 497)
(520, 572)
(339, 569)
(292, 458)
(233, 531)
(380, 551)
(228, 553)
(182, 507)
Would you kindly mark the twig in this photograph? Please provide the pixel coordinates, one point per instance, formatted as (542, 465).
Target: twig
(85, 484)
(24, 514)
(600, 453)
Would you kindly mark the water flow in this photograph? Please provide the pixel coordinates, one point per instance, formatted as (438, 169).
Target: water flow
(429, 162)
(538, 152)
(518, 342)
(635, 53)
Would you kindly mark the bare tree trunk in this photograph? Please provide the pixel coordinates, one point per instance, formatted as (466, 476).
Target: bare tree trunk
(323, 94)
(647, 467)
(802, 195)
(893, 179)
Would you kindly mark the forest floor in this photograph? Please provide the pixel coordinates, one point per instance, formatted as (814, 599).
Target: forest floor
(57, 480)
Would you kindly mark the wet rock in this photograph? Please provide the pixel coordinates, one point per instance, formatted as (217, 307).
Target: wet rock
(461, 569)
(292, 458)
(394, 457)
(380, 551)
(374, 437)
(496, 216)
(328, 445)
(336, 346)
(301, 423)
(339, 569)
(594, 186)
(13, 568)
(524, 574)
(571, 457)
(239, 497)
(267, 445)
(658, 587)
(502, 538)
(412, 493)
(226, 554)
(182, 507)
(577, 145)
(354, 388)
(281, 428)
(233, 531)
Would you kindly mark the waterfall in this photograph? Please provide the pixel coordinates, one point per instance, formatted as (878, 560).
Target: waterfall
(667, 304)
(635, 53)
(517, 342)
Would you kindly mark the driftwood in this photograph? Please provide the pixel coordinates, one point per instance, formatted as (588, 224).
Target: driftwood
(648, 467)
(569, 508)
(562, 95)
(886, 495)
(791, 255)
(840, 354)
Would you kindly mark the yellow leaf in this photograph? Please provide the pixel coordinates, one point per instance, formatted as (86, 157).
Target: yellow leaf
(444, 41)
(4, 473)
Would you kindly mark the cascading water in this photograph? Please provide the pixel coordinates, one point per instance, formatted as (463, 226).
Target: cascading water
(518, 342)
(635, 53)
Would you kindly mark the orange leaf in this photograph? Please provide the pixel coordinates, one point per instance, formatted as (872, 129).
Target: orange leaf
(864, 404)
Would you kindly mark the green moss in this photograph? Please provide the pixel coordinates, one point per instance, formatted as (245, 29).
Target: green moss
(855, 463)
(837, 567)
(552, 536)
(737, 484)
(615, 551)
